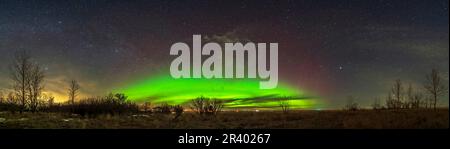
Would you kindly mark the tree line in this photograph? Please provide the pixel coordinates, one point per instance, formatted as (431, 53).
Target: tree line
(28, 78)
(408, 97)
(26, 96)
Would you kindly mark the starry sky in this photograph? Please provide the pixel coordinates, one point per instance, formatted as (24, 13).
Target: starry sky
(330, 49)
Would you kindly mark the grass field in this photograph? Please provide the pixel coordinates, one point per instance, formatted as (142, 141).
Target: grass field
(383, 119)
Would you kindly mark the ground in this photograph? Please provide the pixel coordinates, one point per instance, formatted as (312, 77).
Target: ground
(384, 119)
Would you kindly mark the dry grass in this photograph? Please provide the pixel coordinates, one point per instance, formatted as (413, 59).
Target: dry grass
(385, 119)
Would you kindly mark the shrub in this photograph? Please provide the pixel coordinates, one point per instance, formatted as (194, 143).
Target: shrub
(178, 109)
(163, 108)
(284, 105)
(96, 106)
(206, 106)
(7, 106)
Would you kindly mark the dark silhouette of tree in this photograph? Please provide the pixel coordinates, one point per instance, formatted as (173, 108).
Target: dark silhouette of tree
(215, 106)
(27, 79)
(74, 88)
(414, 98)
(178, 109)
(206, 106)
(121, 97)
(198, 105)
(390, 102)
(397, 92)
(435, 86)
(20, 74)
(35, 86)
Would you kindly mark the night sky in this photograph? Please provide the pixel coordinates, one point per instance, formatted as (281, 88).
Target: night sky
(327, 48)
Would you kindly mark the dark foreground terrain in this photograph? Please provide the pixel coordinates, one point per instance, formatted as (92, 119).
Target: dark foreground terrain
(265, 119)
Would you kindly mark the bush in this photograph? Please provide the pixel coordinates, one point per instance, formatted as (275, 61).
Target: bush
(163, 108)
(96, 106)
(8, 106)
(206, 106)
(178, 109)
(284, 105)
(93, 107)
(111, 104)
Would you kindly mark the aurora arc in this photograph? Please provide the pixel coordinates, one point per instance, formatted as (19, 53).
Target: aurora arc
(236, 93)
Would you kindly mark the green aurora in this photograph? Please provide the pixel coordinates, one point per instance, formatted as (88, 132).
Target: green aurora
(236, 93)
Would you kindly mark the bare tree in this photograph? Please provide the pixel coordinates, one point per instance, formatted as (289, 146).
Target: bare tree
(35, 86)
(206, 106)
(198, 105)
(20, 74)
(74, 88)
(390, 102)
(397, 91)
(416, 100)
(435, 86)
(215, 106)
(28, 80)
